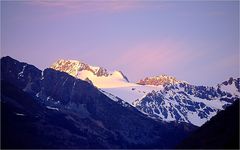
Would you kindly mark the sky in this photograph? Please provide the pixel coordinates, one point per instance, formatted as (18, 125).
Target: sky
(195, 41)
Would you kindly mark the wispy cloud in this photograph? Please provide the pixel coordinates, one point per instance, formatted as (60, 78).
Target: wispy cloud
(78, 6)
(97, 5)
(88, 5)
(158, 55)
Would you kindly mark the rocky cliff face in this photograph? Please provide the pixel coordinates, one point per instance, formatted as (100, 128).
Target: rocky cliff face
(158, 80)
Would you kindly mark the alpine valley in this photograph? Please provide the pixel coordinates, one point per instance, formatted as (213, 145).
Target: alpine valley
(76, 105)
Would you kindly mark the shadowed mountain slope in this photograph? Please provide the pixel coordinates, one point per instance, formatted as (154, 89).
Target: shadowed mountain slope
(221, 132)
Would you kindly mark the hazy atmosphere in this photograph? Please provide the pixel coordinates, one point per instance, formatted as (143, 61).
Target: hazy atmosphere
(193, 41)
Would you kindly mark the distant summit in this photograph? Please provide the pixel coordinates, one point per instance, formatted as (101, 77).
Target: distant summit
(99, 76)
(72, 67)
(159, 80)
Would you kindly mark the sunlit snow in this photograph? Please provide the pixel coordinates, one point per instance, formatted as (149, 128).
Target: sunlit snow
(52, 108)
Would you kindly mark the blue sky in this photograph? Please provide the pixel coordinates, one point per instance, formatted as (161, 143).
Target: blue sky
(192, 40)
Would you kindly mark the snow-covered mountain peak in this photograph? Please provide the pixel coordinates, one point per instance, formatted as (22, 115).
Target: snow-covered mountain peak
(184, 102)
(159, 80)
(99, 76)
(72, 67)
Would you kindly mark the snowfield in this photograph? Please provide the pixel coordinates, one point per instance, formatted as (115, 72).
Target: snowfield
(131, 92)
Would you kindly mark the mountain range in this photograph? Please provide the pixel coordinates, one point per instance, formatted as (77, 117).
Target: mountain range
(160, 97)
(52, 109)
(76, 105)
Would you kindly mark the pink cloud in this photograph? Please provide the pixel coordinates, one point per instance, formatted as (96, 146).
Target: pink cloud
(161, 56)
(150, 54)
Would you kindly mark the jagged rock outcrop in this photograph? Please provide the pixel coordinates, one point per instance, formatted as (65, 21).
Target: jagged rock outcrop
(158, 80)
